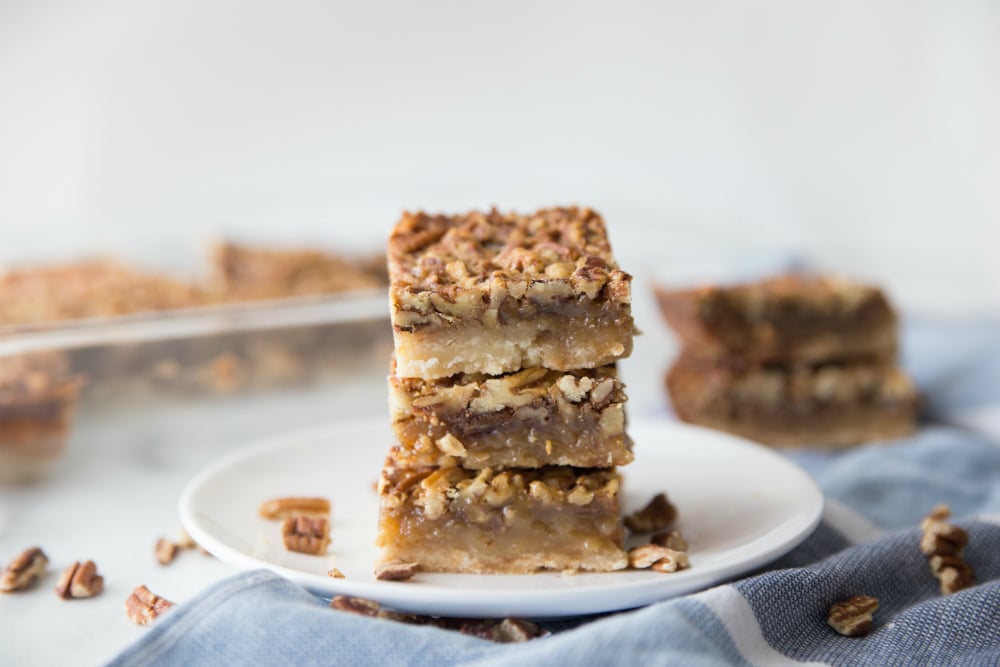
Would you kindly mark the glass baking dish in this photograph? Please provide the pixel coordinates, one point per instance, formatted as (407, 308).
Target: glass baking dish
(49, 371)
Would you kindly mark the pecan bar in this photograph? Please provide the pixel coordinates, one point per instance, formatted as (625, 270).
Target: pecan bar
(788, 318)
(829, 404)
(456, 520)
(246, 273)
(527, 419)
(496, 292)
(38, 396)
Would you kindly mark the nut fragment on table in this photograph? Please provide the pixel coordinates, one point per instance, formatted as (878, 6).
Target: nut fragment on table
(283, 508)
(166, 551)
(395, 571)
(658, 514)
(23, 570)
(306, 534)
(853, 617)
(143, 606)
(354, 605)
(80, 580)
(943, 544)
(334, 573)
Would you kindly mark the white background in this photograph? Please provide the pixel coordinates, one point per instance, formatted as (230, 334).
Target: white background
(859, 136)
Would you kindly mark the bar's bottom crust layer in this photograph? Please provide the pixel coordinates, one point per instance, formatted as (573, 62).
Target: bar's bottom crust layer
(833, 406)
(514, 521)
(547, 340)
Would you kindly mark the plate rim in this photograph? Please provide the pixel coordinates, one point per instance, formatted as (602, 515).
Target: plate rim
(568, 602)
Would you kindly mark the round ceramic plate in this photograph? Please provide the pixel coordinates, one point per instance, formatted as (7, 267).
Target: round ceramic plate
(741, 505)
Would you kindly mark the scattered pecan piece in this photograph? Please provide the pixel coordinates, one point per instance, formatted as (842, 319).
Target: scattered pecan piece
(511, 630)
(24, 570)
(305, 534)
(943, 544)
(853, 616)
(395, 571)
(662, 559)
(658, 514)
(672, 540)
(80, 580)
(166, 551)
(334, 573)
(283, 508)
(185, 541)
(355, 605)
(143, 606)
(953, 573)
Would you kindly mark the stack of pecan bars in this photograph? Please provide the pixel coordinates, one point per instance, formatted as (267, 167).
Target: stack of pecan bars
(790, 360)
(506, 406)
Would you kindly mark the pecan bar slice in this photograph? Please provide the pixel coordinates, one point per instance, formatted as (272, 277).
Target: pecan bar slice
(456, 520)
(830, 404)
(496, 292)
(787, 318)
(527, 419)
(38, 398)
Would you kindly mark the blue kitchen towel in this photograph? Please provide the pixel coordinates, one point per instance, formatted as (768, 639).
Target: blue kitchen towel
(868, 543)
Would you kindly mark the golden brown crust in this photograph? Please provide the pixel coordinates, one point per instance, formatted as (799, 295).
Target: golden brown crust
(787, 318)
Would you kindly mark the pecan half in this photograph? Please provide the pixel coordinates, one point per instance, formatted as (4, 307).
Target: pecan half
(853, 617)
(943, 544)
(953, 573)
(143, 606)
(395, 571)
(24, 570)
(308, 535)
(658, 514)
(283, 508)
(80, 580)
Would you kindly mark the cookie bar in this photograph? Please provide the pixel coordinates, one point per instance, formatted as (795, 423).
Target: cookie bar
(38, 396)
(246, 273)
(788, 318)
(829, 404)
(527, 419)
(88, 289)
(512, 521)
(494, 292)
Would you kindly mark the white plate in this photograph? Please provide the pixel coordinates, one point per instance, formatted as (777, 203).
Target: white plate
(741, 506)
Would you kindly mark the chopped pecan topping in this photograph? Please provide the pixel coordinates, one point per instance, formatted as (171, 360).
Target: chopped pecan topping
(80, 580)
(143, 606)
(395, 571)
(658, 514)
(853, 616)
(283, 508)
(305, 534)
(166, 551)
(24, 570)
